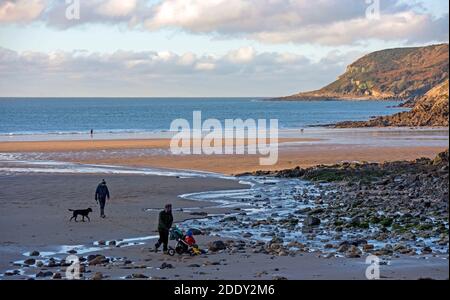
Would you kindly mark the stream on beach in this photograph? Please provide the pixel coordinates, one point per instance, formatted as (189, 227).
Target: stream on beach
(271, 208)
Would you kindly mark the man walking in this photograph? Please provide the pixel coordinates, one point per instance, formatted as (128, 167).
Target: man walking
(164, 223)
(101, 194)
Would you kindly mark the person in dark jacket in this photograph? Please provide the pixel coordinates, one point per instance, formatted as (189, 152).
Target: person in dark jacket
(164, 223)
(101, 194)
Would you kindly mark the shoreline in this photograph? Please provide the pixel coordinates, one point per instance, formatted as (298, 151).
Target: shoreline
(296, 148)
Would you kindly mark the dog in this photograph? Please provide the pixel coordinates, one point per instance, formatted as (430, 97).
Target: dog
(82, 212)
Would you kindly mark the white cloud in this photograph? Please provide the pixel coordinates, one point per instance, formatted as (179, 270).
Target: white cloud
(117, 8)
(205, 66)
(242, 55)
(151, 73)
(187, 59)
(330, 22)
(20, 11)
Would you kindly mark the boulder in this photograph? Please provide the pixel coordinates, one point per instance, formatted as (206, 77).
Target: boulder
(312, 221)
(97, 276)
(217, 246)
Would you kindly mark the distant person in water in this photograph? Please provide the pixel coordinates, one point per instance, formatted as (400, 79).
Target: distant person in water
(92, 133)
(164, 223)
(101, 194)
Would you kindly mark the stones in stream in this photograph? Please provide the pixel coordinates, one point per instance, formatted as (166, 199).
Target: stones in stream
(312, 221)
(165, 265)
(29, 261)
(44, 274)
(97, 259)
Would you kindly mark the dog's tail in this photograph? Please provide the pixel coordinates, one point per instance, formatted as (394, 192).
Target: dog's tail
(71, 209)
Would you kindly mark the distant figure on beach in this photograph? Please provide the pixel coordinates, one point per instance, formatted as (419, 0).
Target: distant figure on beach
(101, 194)
(92, 133)
(302, 130)
(164, 223)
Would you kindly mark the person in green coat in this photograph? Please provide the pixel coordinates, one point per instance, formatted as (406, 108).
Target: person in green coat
(164, 223)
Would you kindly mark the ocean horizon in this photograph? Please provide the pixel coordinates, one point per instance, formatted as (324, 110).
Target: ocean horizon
(71, 116)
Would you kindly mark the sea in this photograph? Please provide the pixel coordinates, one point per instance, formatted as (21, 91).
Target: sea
(73, 118)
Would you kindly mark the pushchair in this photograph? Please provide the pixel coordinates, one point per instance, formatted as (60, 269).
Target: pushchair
(182, 246)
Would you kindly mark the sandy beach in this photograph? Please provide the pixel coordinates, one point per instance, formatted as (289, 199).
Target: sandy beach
(36, 207)
(37, 188)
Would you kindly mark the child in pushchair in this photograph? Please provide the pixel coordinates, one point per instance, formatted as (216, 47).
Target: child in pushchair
(185, 242)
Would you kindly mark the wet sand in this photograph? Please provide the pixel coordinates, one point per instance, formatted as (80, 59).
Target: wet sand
(34, 208)
(89, 145)
(292, 152)
(303, 156)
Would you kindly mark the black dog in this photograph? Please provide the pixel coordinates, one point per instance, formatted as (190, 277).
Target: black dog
(81, 212)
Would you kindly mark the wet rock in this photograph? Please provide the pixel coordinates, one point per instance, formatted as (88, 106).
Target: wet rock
(101, 243)
(199, 213)
(139, 276)
(427, 250)
(312, 221)
(212, 263)
(39, 263)
(343, 248)
(97, 276)
(29, 261)
(91, 257)
(229, 219)
(384, 252)
(216, 246)
(43, 274)
(57, 275)
(353, 252)
(112, 243)
(166, 266)
(295, 244)
(368, 247)
(12, 273)
(196, 231)
(34, 253)
(52, 263)
(194, 266)
(98, 260)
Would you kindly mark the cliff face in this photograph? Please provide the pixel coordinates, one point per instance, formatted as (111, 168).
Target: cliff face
(403, 73)
(429, 110)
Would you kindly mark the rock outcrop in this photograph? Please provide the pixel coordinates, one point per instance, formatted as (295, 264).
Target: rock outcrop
(402, 73)
(429, 110)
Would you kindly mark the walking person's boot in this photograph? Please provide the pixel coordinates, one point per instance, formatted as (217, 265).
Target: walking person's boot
(157, 245)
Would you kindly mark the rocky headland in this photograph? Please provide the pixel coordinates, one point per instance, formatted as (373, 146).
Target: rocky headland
(401, 73)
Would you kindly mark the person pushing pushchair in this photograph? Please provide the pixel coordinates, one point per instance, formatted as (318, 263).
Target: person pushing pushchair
(165, 221)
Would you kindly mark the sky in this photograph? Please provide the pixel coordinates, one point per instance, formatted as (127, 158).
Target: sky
(199, 48)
